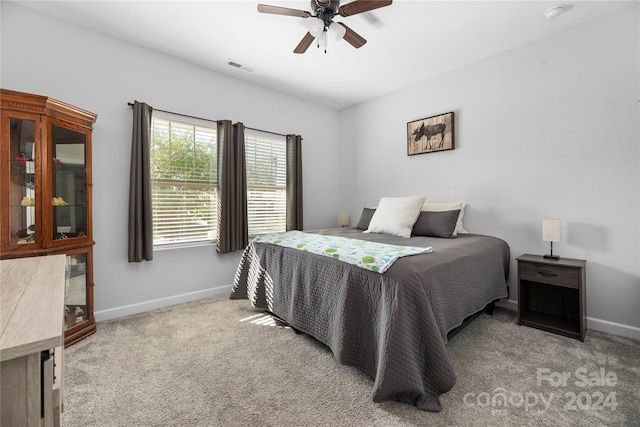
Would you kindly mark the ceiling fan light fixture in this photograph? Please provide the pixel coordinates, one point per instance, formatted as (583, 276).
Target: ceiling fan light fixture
(315, 26)
(321, 22)
(337, 31)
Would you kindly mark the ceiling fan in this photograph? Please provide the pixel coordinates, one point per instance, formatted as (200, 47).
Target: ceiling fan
(322, 23)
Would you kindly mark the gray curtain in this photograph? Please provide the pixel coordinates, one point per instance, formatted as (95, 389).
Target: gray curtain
(140, 217)
(294, 182)
(233, 225)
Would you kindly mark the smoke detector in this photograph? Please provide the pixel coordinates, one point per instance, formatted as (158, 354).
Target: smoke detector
(554, 12)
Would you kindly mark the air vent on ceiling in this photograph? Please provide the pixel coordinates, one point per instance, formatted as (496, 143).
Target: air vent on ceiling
(239, 66)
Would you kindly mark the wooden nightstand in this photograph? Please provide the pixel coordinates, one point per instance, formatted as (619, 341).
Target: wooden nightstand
(552, 295)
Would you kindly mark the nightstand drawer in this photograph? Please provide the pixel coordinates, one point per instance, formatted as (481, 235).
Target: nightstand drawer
(550, 274)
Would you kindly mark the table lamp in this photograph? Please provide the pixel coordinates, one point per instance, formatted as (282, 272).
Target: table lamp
(343, 219)
(551, 233)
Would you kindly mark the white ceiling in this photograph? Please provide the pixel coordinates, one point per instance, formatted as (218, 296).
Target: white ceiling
(408, 41)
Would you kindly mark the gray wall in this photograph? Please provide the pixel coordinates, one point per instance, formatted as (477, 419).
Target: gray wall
(102, 74)
(545, 130)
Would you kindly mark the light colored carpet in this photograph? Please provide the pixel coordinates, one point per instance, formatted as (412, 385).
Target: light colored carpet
(217, 362)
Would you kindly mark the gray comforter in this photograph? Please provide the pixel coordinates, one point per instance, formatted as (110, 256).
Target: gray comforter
(392, 326)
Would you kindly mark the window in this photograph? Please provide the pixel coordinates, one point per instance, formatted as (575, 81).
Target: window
(184, 181)
(266, 162)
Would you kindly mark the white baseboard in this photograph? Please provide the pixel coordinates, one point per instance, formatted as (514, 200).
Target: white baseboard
(592, 323)
(509, 304)
(613, 328)
(126, 310)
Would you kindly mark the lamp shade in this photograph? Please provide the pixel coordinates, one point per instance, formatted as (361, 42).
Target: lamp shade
(551, 230)
(343, 219)
(337, 31)
(315, 26)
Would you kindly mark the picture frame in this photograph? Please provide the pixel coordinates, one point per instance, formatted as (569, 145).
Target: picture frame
(430, 134)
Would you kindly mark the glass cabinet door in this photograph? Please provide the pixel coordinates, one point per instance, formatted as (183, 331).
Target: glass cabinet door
(68, 183)
(22, 182)
(75, 291)
(79, 320)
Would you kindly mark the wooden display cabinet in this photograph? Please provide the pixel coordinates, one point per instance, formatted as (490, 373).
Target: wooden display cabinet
(45, 194)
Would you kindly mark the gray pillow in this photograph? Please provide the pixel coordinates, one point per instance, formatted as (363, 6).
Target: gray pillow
(436, 224)
(365, 218)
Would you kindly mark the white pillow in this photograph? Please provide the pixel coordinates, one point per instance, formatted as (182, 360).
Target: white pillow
(440, 207)
(396, 215)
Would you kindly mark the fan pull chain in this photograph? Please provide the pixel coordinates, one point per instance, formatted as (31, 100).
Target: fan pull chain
(326, 39)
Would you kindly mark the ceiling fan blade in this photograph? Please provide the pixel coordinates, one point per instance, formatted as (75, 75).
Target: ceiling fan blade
(360, 6)
(277, 10)
(353, 38)
(304, 43)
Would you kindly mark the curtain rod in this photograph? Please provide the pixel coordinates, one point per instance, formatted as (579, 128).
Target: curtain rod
(130, 104)
(265, 131)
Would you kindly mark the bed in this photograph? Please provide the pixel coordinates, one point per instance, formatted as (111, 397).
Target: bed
(392, 326)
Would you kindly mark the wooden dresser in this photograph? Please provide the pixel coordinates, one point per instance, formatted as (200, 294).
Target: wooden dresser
(31, 340)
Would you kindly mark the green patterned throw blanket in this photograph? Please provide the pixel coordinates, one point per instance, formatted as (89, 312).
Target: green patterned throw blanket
(377, 257)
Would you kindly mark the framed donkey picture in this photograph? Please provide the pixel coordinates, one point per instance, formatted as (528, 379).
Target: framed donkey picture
(431, 134)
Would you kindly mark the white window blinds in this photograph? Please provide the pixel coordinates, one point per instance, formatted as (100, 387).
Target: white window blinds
(184, 181)
(266, 162)
(184, 177)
